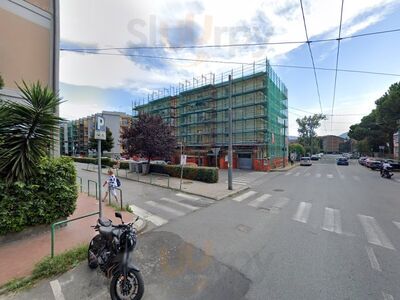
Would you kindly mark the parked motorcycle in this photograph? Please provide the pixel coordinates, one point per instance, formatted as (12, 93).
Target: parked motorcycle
(110, 250)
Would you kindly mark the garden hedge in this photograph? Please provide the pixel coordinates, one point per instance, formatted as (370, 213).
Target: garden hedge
(204, 174)
(47, 197)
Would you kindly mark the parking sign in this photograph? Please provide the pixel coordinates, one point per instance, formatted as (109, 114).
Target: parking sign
(100, 130)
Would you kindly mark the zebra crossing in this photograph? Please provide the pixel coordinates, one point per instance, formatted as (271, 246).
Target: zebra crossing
(331, 222)
(247, 178)
(340, 176)
(163, 210)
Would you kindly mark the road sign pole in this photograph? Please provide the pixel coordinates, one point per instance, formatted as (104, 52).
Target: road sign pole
(99, 175)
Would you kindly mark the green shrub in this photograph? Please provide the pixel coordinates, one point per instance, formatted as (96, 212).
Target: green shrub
(204, 174)
(49, 196)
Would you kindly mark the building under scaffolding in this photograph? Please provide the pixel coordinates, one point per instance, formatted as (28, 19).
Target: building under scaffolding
(198, 112)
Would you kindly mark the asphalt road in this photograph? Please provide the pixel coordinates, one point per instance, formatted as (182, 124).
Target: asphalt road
(319, 232)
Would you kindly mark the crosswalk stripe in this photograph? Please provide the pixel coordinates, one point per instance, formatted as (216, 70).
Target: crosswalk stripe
(188, 206)
(318, 175)
(387, 296)
(166, 208)
(244, 196)
(374, 233)
(281, 203)
(187, 196)
(329, 175)
(372, 259)
(144, 214)
(289, 173)
(307, 174)
(303, 212)
(332, 220)
(297, 174)
(397, 224)
(256, 202)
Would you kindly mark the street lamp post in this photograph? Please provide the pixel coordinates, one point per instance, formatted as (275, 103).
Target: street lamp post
(230, 136)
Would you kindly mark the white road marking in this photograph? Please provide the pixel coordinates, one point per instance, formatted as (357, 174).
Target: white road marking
(244, 196)
(288, 173)
(318, 175)
(397, 224)
(297, 174)
(307, 174)
(374, 233)
(329, 175)
(144, 214)
(356, 178)
(387, 296)
(281, 203)
(56, 288)
(188, 206)
(372, 259)
(257, 202)
(166, 208)
(303, 212)
(187, 196)
(332, 220)
(398, 180)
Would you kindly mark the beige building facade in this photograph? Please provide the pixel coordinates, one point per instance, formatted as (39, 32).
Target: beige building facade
(29, 45)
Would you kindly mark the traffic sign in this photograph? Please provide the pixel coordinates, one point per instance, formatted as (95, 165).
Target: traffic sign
(100, 130)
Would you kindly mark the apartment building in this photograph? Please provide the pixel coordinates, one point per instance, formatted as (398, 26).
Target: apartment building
(29, 45)
(332, 143)
(198, 112)
(75, 134)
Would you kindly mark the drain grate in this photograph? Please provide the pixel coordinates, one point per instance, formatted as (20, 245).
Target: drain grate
(278, 190)
(243, 228)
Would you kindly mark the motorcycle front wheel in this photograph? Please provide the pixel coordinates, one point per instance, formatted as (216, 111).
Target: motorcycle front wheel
(132, 288)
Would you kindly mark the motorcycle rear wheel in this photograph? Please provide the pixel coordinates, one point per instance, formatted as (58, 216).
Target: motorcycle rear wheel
(93, 251)
(134, 288)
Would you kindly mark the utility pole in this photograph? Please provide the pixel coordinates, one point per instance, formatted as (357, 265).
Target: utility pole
(230, 135)
(284, 143)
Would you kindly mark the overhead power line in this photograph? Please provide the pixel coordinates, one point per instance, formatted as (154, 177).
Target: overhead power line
(312, 57)
(235, 45)
(337, 61)
(229, 62)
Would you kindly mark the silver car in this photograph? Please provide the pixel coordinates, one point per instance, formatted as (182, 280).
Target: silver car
(305, 161)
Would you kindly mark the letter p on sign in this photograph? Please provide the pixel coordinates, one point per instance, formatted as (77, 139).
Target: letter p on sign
(100, 131)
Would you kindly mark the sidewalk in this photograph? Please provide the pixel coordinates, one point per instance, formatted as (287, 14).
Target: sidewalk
(215, 191)
(286, 168)
(18, 258)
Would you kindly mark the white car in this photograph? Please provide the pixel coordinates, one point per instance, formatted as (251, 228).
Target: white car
(305, 161)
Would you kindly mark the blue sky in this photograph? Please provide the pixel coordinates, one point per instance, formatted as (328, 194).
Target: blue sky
(91, 83)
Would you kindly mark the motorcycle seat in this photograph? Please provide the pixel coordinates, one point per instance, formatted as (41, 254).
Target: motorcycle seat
(104, 222)
(107, 231)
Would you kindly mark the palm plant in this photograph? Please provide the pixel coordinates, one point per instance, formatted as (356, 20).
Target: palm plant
(27, 131)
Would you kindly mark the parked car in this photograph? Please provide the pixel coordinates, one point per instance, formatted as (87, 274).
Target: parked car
(361, 160)
(315, 157)
(305, 161)
(394, 164)
(342, 161)
(373, 164)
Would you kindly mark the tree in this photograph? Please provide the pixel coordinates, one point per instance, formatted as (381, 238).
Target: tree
(297, 148)
(27, 131)
(150, 137)
(106, 145)
(1, 82)
(306, 130)
(377, 128)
